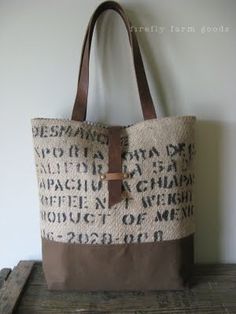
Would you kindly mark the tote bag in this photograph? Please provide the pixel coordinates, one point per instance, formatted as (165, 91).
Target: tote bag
(116, 202)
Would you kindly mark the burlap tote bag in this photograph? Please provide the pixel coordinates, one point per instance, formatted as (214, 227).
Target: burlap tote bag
(116, 202)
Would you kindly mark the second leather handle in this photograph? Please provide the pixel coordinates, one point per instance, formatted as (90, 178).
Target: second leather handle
(80, 105)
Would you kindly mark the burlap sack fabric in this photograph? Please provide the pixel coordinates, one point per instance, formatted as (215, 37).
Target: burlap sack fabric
(117, 207)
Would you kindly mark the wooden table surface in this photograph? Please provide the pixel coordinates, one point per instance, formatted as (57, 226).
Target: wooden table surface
(214, 291)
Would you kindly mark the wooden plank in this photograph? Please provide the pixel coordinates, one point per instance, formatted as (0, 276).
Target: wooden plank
(214, 291)
(4, 273)
(13, 286)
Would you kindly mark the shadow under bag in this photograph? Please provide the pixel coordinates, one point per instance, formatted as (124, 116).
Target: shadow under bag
(116, 202)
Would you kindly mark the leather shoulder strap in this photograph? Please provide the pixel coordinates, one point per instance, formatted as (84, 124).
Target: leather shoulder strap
(80, 105)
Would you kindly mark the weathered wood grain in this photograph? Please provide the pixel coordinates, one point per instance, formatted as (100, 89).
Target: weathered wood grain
(214, 291)
(13, 287)
(4, 273)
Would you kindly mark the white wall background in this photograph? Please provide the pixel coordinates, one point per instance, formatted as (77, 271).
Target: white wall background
(189, 73)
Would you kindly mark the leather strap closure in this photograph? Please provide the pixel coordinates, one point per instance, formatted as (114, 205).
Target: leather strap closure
(114, 176)
(114, 165)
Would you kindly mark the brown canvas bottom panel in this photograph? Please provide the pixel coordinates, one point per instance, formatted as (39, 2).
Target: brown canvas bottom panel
(139, 266)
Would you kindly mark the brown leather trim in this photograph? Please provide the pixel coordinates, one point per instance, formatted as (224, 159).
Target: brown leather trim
(114, 176)
(114, 164)
(142, 266)
(80, 105)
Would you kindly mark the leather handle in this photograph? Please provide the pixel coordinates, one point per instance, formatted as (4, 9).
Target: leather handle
(80, 105)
